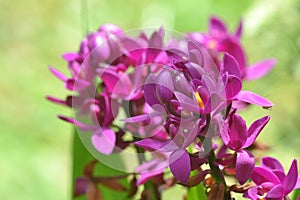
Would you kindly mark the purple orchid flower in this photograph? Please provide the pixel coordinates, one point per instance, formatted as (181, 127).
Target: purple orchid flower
(102, 113)
(237, 138)
(219, 40)
(271, 181)
(179, 158)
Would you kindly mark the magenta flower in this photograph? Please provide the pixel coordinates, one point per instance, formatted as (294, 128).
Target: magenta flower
(219, 40)
(179, 159)
(271, 181)
(237, 138)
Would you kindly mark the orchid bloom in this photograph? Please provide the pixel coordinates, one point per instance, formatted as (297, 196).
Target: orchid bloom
(219, 40)
(237, 137)
(272, 183)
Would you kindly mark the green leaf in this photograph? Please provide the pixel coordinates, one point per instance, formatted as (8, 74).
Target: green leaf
(296, 194)
(81, 157)
(196, 193)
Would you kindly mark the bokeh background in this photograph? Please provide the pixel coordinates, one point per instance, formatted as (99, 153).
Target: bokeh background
(35, 147)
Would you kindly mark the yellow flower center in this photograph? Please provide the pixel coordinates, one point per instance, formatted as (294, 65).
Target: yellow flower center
(199, 100)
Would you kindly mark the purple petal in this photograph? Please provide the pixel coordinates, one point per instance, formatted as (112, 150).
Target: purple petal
(260, 69)
(139, 118)
(150, 169)
(234, 48)
(261, 175)
(70, 56)
(82, 126)
(239, 30)
(252, 98)
(153, 145)
(76, 84)
(230, 65)
(280, 175)
(217, 27)
(180, 165)
(233, 87)
(271, 163)
(175, 55)
(58, 74)
(165, 86)
(144, 177)
(291, 178)
(237, 132)
(156, 40)
(56, 100)
(297, 186)
(104, 140)
(150, 91)
(244, 166)
(186, 102)
(254, 130)
(276, 193)
(252, 193)
(111, 28)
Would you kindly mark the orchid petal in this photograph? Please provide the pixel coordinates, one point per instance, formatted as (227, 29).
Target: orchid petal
(82, 126)
(239, 30)
(261, 175)
(260, 69)
(244, 166)
(104, 140)
(165, 86)
(255, 129)
(291, 178)
(252, 98)
(276, 193)
(217, 27)
(230, 65)
(58, 74)
(233, 48)
(153, 145)
(180, 165)
(271, 163)
(237, 132)
(233, 87)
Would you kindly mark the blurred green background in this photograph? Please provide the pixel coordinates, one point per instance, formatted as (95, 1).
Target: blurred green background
(35, 147)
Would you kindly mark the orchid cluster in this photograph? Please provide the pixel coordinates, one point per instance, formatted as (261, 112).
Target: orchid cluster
(179, 102)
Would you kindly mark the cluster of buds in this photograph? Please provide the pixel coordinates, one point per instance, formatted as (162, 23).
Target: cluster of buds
(177, 101)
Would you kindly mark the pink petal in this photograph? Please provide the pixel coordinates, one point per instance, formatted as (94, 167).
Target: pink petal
(252, 98)
(82, 126)
(271, 163)
(58, 74)
(217, 27)
(260, 69)
(56, 100)
(276, 193)
(239, 30)
(291, 178)
(261, 175)
(70, 56)
(237, 132)
(230, 65)
(104, 140)
(233, 87)
(255, 129)
(244, 166)
(180, 165)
